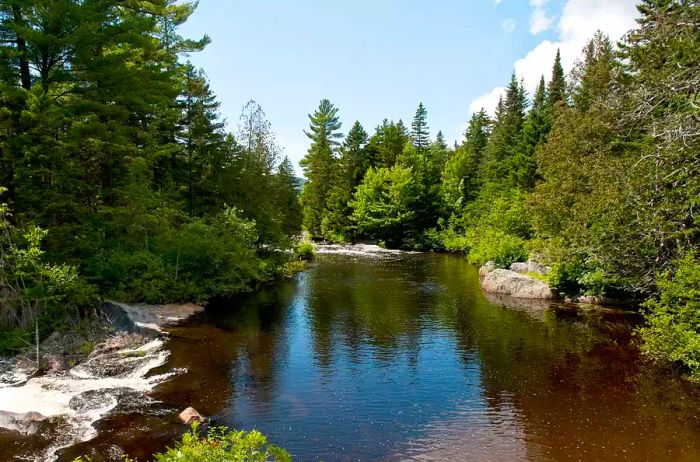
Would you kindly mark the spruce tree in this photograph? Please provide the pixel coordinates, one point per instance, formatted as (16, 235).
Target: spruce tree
(510, 115)
(556, 90)
(524, 164)
(387, 143)
(460, 176)
(286, 198)
(351, 168)
(420, 133)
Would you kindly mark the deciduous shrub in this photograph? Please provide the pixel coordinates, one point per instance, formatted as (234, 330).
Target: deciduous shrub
(672, 332)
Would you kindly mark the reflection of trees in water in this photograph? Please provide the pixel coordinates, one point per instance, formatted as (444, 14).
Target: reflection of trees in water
(256, 339)
(365, 307)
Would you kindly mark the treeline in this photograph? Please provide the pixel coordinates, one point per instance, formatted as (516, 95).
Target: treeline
(119, 178)
(597, 174)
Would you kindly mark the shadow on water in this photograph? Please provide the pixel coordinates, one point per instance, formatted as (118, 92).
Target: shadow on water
(406, 359)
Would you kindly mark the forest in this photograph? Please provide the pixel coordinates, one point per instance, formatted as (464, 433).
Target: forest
(597, 174)
(118, 177)
(120, 180)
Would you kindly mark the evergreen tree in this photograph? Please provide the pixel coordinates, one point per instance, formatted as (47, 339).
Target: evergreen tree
(523, 170)
(286, 198)
(319, 164)
(460, 175)
(420, 134)
(200, 133)
(349, 172)
(556, 90)
(387, 143)
(510, 115)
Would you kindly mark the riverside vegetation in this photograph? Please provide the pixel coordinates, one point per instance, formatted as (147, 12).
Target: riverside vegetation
(119, 179)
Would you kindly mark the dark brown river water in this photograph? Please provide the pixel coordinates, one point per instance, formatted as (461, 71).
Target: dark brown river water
(404, 358)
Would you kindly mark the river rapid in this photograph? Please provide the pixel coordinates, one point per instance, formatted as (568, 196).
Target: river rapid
(378, 355)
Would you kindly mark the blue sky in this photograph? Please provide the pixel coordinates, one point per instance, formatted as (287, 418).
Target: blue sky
(379, 59)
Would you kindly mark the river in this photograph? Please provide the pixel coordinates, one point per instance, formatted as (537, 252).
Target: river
(402, 357)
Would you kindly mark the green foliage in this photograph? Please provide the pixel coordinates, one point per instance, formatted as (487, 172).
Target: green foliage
(205, 257)
(383, 206)
(117, 148)
(13, 340)
(218, 445)
(672, 332)
(304, 250)
(221, 445)
(488, 244)
(37, 294)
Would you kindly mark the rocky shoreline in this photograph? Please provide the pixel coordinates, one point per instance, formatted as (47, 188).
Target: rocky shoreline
(526, 281)
(78, 384)
(517, 281)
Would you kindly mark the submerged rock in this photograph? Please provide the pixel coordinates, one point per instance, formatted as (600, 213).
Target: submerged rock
(26, 423)
(507, 282)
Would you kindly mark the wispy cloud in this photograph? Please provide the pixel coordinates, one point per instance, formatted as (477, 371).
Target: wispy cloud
(540, 20)
(508, 25)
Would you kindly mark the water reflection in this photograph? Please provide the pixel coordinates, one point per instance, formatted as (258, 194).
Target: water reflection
(406, 359)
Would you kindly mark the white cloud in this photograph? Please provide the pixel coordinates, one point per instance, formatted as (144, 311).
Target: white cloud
(508, 25)
(488, 101)
(540, 21)
(496, 2)
(579, 21)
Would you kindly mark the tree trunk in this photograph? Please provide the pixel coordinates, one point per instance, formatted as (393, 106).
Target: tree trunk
(25, 76)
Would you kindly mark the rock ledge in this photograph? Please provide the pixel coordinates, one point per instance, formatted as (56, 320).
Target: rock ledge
(507, 282)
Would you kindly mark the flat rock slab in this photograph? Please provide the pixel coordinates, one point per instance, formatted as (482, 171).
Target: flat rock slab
(152, 317)
(26, 423)
(502, 281)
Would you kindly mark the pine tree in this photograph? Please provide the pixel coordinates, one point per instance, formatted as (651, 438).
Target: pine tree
(319, 164)
(420, 134)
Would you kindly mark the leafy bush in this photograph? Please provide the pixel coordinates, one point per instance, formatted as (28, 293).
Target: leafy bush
(36, 294)
(494, 245)
(202, 258)
(672, 332)
(305, 250)
(453, 241)
(383, 205)
(220, 445)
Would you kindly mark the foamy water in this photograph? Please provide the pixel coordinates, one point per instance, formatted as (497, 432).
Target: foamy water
(358, 250)
(86, 393)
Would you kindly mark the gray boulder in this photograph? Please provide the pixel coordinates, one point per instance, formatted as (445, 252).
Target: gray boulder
(26, 423)
(524, 267)
(487, 268)
(501, 281)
